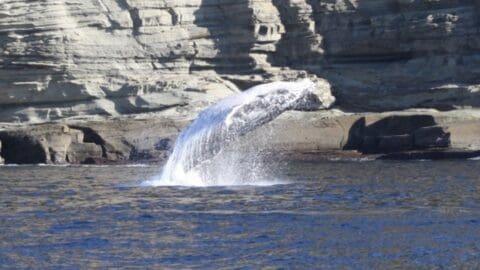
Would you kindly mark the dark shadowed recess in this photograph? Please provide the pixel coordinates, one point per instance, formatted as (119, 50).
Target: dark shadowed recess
(21, 149)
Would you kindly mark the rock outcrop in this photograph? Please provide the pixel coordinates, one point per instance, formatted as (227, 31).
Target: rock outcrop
(80, 62)
(432, 134)
(113, 57)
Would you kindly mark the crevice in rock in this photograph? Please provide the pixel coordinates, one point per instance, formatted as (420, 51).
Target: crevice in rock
(300, 38)
(123, 4)
(52, 154)
(174, 15)
(136, 20)
(134, 15)
(231, 27)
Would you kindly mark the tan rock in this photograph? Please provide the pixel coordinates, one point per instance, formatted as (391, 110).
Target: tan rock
(112, 57)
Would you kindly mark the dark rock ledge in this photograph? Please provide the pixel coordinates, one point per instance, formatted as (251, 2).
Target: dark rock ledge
(320, 135)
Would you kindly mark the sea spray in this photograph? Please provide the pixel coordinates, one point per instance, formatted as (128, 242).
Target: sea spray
(199, 157)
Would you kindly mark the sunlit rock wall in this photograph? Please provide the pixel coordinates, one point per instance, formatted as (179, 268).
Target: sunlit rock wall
(77, 58)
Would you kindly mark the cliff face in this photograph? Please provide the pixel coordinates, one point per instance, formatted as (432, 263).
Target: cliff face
(164, 60)
(62, 58)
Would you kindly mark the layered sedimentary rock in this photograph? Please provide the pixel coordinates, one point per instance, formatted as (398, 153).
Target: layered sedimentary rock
(65, 58)
(76, 60)
(385, 55)
(112, 57)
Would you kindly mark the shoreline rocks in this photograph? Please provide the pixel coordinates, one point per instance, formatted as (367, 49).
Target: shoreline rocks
(112, 81)
(324, 134)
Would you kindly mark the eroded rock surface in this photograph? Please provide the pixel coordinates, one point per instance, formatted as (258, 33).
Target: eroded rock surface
(114, 57)
(64, 58)
(79, 62)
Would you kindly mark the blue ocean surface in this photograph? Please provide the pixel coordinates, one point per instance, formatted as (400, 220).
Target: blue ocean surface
(327, 215)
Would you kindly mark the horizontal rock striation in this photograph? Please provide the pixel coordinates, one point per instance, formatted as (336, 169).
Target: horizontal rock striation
(65, 58)
(386, 55)
(113, 57)
(79, 62)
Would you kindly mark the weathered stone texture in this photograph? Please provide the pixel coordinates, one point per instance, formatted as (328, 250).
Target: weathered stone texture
(150, 66)
(64, 58)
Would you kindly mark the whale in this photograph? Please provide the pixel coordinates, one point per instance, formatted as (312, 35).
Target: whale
(229, 119)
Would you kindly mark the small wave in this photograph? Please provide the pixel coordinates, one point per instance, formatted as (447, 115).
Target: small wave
(111, 165)
(362, 159)
(202, 184)
(139, 165)
(475, 158)
(79, 165)
(34, 165)
(51, 165)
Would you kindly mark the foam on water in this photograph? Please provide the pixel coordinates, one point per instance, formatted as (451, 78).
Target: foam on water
(199, 157)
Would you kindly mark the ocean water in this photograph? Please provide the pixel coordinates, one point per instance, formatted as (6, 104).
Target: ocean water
(326, 215)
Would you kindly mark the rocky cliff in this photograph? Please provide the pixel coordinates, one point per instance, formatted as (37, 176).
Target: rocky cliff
(78, 60)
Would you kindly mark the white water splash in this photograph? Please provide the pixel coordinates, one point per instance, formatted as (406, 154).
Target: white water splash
(200, 157)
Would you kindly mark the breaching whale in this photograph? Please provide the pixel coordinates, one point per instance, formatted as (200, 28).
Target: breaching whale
(229, 119)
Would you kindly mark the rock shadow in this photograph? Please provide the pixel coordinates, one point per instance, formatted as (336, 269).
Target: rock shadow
(230, 26)
(299, 41)
(397, 134)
